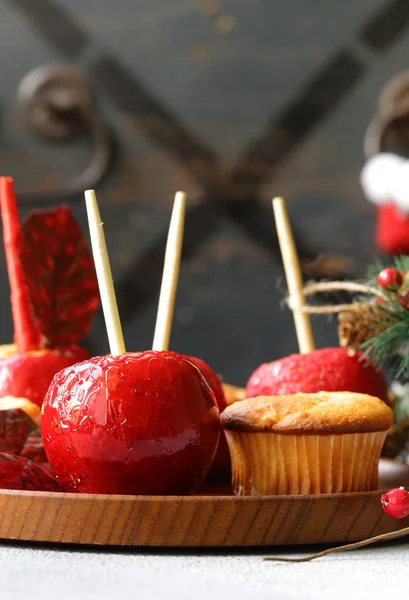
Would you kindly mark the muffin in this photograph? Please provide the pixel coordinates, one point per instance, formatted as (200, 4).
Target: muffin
(232, 393)
(320, 443)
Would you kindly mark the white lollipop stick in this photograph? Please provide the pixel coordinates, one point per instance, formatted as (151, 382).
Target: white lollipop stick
(293, 276)
(104, 275)
(170, 274)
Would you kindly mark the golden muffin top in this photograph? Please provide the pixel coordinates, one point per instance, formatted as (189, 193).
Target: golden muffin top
(323, 413)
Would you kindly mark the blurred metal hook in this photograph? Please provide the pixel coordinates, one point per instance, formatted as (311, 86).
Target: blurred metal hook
(392, 110)
(57, 104)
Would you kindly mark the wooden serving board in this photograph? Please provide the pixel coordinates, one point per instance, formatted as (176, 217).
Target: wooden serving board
(193, 521)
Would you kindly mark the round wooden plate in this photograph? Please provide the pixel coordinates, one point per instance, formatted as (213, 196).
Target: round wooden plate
(207, 520)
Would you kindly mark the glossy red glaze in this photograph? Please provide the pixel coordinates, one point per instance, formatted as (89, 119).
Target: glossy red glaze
(212, 379)
(29, 375)
(327, 369)
(395, 503)
(221, 468)
(138, 423)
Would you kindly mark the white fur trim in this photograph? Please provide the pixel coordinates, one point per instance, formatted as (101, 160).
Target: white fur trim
(385, 180)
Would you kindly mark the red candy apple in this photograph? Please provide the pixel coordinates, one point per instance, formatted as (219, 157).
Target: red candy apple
(212, 379)
(52, 307)
(29, 375)
(54, 294)
(327, 369)
(137, 423)
(132, 423)
(221, 467)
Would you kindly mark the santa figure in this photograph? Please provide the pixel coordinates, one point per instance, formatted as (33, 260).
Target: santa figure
(385, 181)
(385, 176)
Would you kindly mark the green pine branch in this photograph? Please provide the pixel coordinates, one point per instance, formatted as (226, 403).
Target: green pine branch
(394, 340)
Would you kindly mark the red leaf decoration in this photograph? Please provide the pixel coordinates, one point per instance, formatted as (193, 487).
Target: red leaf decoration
(19, 428)
(33, 448)
(60, 276)
(15, 429)
(17, 473)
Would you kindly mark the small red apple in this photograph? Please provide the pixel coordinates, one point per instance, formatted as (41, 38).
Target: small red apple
(212, 379)
(29, 375)
(221, 467)
(324, 370)
(137, 423)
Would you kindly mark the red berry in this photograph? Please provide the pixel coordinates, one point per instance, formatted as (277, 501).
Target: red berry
(396, 503)
(390, 278)
(404, 299)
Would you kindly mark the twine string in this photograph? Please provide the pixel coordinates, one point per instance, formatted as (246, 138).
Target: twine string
(311, 289)
(383, 537)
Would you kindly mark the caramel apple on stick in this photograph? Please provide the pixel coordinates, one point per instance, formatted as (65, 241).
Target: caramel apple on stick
(221, 465)
(26, 368)
(141, 423)
(167, 303)
(326, 369)
(293, 275)
(170, 275)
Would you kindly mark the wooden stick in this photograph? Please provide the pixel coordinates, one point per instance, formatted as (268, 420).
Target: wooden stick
(170, 274)
(104, 275)
(293, 276)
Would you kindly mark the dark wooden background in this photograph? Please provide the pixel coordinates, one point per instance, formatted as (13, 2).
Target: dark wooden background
(233, 102)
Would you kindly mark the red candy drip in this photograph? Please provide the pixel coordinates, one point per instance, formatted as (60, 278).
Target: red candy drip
(395, 503)
(26, 334)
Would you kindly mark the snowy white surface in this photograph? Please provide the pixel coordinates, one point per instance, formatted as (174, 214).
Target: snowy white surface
(59, 574)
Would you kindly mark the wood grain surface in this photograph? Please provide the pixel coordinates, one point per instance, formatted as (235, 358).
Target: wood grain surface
(191, 521)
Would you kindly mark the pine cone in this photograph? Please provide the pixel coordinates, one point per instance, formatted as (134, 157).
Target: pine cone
(361, 322)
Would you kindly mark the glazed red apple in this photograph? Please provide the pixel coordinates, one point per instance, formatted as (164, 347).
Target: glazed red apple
(327, 369)
(29, 375)
(53, 293)
(137, 423)
(212, 379)
(221, 467)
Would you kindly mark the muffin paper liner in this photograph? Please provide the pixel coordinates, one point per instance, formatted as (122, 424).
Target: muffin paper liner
(265, 464)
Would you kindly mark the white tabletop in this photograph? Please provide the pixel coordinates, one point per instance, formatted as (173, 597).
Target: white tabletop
(38, 572)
